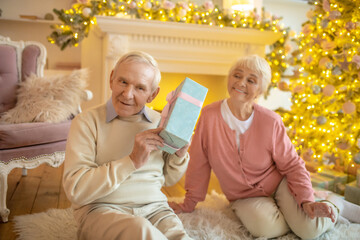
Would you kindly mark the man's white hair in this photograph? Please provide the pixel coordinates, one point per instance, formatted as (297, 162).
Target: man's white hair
(141, 57)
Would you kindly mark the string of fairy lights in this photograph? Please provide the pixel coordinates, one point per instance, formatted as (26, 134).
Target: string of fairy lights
(77, 22)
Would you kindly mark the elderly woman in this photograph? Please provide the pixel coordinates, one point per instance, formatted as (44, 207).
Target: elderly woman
(258, 169)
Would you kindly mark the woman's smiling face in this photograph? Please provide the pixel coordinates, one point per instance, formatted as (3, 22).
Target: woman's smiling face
(244, 85)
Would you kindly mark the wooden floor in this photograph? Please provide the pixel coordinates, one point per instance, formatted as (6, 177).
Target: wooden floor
(41, 190)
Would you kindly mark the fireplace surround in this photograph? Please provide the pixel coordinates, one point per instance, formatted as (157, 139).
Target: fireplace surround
(178, 47)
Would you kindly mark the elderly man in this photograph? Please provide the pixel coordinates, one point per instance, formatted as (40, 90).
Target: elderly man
(114, 170)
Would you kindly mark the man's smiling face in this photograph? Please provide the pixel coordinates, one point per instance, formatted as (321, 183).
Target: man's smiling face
(132, 87)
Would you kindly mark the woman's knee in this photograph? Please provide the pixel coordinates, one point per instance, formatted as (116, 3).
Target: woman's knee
(265, 225)
(312, 228)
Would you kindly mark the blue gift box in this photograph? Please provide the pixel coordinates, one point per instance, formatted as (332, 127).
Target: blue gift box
(322, 181)
(340, 179)
(180, 114)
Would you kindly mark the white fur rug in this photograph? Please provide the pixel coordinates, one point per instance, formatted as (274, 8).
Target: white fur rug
(212, 220)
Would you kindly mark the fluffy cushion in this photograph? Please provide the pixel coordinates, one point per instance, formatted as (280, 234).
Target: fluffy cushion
(48, 99)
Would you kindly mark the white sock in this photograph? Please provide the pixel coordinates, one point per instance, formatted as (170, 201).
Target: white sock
(343, 220)
(347, 209)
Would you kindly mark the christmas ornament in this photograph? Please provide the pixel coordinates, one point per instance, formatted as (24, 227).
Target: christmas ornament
(326, 5)
(209, 6)
(344, 65)
(336, 71)
(324, 61)
(334, 15)
(349, 107)
(168, 5)
(324, 23)
(329, 159)
(308, 59)
(329, 65)
(185, 6)
(358, 142)
(307, 156)
(328, 90)
(310, 14)
(132, 5)
(356, 60)
(350, 26)
(283, 86)
(317, 40)
(321, 120)
(147, 6)
(357, 158)
(49, 16)
(316, 89)
(343, 145)
(328, 46)
(86, 12)
(182, 13)
(296, 73)
(306, 29)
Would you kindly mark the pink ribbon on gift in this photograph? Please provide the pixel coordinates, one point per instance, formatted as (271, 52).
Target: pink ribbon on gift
(170, 98)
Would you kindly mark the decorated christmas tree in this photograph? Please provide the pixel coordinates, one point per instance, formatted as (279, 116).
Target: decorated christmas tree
(324, 121)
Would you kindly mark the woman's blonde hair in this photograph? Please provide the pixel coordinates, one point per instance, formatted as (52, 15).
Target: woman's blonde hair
(257, 64)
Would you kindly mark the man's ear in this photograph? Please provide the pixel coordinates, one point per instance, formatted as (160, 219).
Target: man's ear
(153, 95)
(111, 78)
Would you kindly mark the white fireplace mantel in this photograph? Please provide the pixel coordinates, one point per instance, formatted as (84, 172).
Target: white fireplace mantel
(178, 47)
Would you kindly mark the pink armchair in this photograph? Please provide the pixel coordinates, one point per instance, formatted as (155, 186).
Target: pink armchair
(25, 145)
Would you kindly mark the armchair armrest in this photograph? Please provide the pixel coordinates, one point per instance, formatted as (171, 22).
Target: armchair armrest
(88, 95)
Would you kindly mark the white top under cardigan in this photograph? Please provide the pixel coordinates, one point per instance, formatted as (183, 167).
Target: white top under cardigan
(235, 124)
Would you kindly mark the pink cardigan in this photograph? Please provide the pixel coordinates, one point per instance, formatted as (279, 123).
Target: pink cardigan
(266, 155)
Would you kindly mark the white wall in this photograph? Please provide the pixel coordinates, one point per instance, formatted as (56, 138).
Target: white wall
(11, 25)
(14, 8)
(292, 11)
(34, 31)
(294, 14)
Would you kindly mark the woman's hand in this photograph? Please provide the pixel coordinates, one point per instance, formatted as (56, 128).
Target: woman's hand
(176, 207)
(318, 209)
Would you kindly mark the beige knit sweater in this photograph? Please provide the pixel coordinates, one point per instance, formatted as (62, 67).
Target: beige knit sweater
(98, 168)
